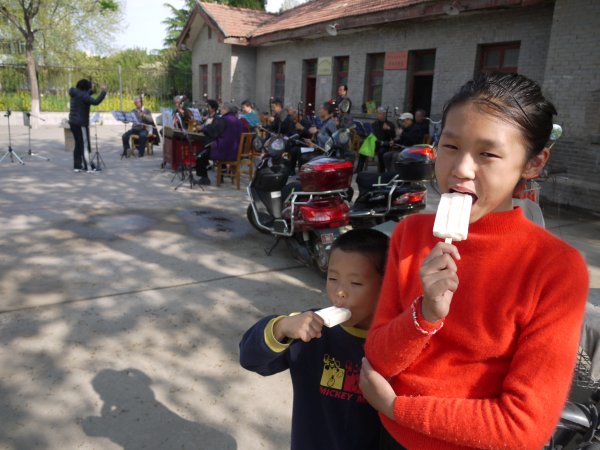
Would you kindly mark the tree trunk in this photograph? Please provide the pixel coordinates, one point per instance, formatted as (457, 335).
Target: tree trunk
(34, 87)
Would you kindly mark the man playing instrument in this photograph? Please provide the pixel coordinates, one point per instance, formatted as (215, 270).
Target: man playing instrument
(141, 130)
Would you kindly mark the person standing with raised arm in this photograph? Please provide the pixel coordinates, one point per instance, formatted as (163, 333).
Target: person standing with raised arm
(79, 122)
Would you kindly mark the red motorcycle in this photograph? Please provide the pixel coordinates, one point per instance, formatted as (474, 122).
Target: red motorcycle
(308, 215)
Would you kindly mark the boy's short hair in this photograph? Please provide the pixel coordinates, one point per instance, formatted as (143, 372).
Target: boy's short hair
(247, 103)
(366, 241)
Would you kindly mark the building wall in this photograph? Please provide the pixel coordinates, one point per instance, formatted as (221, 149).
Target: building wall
(211, 51)
(572, 80)
(455, 40)
(243, 70)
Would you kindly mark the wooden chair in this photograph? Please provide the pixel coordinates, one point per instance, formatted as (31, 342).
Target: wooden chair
(234, 169)
(133, 143)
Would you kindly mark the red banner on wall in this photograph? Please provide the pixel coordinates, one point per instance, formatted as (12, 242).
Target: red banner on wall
(396, 60)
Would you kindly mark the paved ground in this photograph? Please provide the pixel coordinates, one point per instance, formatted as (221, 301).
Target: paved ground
(122, 303)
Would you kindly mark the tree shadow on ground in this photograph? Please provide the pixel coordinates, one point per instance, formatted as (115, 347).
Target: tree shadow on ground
(133, 418)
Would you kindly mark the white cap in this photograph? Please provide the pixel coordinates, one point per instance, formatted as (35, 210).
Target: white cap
(406, 115)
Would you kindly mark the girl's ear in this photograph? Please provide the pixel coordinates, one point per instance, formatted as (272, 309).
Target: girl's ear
(534, 166)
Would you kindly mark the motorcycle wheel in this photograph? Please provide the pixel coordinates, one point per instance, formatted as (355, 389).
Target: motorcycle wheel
(320, 255)
(263, 217)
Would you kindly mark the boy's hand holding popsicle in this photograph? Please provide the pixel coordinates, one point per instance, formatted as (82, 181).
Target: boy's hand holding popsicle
(307, 326)
(438, 271)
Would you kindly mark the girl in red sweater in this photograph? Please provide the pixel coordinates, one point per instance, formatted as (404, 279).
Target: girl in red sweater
(473, 344)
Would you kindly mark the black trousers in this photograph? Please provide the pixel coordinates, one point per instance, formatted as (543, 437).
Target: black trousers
(202, 159)
(82, 150)
(381, 150)
(387, 442)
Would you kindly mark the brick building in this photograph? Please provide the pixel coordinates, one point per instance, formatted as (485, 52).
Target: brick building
(412, 54)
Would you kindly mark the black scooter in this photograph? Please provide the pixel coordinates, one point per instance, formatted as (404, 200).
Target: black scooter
(393, 195)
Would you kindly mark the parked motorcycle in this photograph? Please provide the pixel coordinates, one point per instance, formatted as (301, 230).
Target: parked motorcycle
(579, 422)
(308, 215)
(392, 195)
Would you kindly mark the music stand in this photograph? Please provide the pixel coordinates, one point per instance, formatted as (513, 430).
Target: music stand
(10, 150)
(96, 120)
(30, 153)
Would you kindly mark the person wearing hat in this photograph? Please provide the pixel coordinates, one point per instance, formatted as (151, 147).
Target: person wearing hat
(407, 134)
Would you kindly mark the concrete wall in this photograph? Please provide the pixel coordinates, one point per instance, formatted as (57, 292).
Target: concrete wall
(572, 80)
(243, 71)
(211, 51)
(455, 39)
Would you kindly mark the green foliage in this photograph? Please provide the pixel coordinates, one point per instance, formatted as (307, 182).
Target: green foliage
(21, 101)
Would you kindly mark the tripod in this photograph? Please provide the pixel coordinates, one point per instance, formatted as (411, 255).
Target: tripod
(30, 153)
(99, 162)
(10, 150)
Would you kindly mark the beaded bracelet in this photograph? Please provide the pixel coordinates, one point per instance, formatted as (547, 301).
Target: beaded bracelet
(416, 322)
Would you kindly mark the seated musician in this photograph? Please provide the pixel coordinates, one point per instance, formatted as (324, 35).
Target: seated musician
(326, 113)
(141, 130)
(305, 130)
(182, 116)
(280, 122)
(249, 115)
(408, 133)
(342, 94)
(224, 132)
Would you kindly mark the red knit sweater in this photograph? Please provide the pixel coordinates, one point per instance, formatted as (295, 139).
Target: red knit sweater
(498, 373)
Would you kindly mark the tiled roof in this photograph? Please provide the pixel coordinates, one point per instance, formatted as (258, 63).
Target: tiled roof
(235, 22)
(320, 11)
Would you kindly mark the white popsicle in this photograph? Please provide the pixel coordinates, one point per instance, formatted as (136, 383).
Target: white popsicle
(452, 217)
(333, 315)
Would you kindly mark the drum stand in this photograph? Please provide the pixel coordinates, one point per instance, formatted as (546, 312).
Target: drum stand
(185, 165)
(30, 153)
(10, 150)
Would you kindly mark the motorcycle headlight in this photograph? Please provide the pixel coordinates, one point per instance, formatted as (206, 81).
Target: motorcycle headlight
(277, 144)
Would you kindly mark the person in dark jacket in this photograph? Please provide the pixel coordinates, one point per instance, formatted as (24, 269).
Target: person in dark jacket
(409, 133)
(385, 131)
(79, 120)
(225, 133)
(280, 122)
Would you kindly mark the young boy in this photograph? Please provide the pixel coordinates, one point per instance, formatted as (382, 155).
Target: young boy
(329, 410)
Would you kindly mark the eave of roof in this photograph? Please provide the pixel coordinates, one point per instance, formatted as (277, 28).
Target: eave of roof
(276, 28)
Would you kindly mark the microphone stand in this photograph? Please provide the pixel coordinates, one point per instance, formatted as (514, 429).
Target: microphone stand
(30, 153)
(96, 155)
(10, 150)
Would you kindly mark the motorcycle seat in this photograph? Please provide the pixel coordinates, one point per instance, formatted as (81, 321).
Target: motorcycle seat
(365, 180)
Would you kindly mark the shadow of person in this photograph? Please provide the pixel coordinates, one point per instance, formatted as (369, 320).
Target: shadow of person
(132, 417)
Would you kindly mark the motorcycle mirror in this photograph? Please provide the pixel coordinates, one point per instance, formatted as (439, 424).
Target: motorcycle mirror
(257, 143)
(344, 105)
